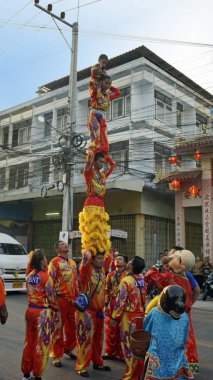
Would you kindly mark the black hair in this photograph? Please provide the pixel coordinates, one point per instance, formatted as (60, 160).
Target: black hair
(178, 248)
(103, 56)
(124, 257)
(98, 253)
(36, 260)
(57, 243)
(98, 155)
(138, 264)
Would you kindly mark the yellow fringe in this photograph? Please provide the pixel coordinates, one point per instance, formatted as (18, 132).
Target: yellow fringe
(93, 227)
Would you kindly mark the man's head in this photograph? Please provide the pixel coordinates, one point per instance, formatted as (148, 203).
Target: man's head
(138, 265)
(121, 261)
(172, 301)
(206, 259)
(98, 261)
(106, 82)
(165, 252)
(197, 259)
(103, 60)
(160, 255)
(61, 248)
(99, 161)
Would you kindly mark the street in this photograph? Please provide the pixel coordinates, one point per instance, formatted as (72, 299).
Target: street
(12, 340)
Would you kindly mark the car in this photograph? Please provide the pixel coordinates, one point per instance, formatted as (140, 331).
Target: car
(13, 263)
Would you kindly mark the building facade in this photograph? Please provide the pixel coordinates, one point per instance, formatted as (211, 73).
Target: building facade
(157, 104)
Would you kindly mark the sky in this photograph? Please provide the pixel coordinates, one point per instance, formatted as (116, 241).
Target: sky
(33, 51)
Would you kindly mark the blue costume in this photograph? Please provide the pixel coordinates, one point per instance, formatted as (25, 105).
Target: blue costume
(165, 358)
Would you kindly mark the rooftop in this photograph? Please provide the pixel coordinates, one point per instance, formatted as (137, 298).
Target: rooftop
(140, 52)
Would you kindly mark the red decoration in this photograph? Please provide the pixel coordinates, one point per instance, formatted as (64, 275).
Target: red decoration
(172, 160)
(175, 184)
(193, 191)
(197, 155)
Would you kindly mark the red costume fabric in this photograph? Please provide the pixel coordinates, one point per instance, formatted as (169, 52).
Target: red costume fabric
(99, 105)
(130, 301)
(90, 324)
(39, 324)
(161, 280)
(96, 182)
(2, 293)
(112, 334)
(63, 281)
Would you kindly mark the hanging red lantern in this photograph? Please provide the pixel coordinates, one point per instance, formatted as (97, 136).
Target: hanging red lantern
(172, 160)
(175, 184)
(197, 155)
(193, 191)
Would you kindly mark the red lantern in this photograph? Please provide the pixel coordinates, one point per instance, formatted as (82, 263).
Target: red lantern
(193, 191)
(175, 184)
(197, 155)
(172, 160)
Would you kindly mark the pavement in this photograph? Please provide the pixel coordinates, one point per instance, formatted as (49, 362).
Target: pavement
(12, 342)
(203, 305)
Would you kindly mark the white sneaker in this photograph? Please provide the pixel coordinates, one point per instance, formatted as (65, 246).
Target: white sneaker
(29, 378)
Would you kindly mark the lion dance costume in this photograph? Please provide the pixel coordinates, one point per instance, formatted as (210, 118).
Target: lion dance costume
(93, 219)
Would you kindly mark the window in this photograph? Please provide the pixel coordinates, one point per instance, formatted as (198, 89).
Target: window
(48, 118)
(121, 106)
(127, 105)
(62, 118)
(21, 132)
(12, 249)
(5, 136)
(117, 108)
(18, 176)
(22, 136)
(2, 178)
(162, 153)
(120, 154)
(179, 115)
(45, 170)
(201, 122)
(109, 113)
(163, 107)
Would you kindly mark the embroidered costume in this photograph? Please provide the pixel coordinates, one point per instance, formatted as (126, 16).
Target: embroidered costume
(93, 219)
(99, 105)
(39, 324)
(129, 303)
(161, 280)
(63, 281)
(90, 324)
(112, 334)
(168, 326)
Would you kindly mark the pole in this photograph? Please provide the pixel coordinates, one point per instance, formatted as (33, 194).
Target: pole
(67, 219)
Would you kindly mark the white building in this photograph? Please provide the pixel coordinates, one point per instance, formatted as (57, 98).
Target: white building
(158, 104)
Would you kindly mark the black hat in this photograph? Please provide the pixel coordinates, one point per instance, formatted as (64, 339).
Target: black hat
(172, 301)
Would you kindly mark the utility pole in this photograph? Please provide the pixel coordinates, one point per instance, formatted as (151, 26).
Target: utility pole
(67, 217)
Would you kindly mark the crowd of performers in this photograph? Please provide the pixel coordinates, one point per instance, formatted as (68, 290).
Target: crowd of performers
(115, 290)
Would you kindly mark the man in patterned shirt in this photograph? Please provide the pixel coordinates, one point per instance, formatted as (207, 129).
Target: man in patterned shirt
(90, 323)
(112, 335)
(63, 280)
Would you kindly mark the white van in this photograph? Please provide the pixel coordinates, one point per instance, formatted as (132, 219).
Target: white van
(13, 263)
